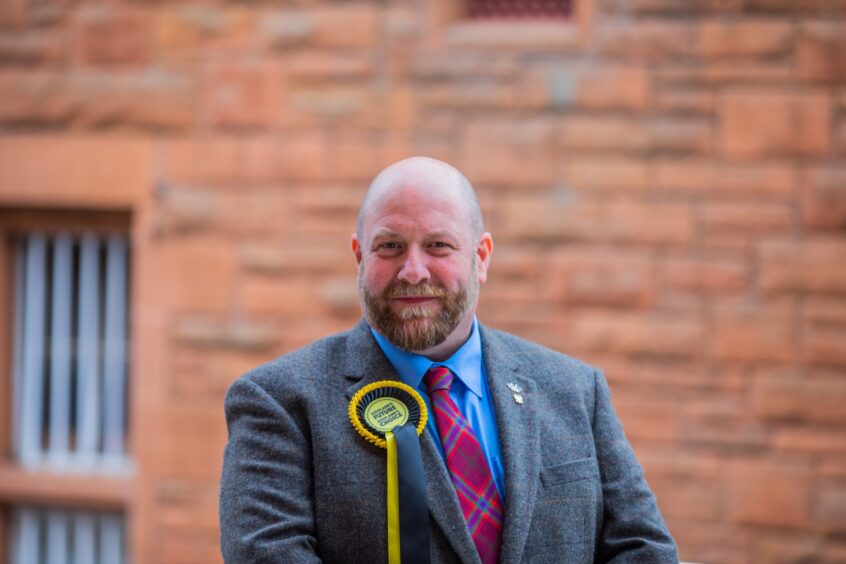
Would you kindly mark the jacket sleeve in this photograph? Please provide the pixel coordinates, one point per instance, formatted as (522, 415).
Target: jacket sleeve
(633, 530)
(266, 506)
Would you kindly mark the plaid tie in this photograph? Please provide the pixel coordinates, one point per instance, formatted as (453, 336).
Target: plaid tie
(468, 467)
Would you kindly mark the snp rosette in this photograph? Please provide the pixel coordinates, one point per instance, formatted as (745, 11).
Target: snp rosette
(392, 415)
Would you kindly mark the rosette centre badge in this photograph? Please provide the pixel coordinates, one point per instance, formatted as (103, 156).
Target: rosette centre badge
(384, 414)
(392, 415)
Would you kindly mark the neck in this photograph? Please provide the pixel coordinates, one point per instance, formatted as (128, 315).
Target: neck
(452, 343)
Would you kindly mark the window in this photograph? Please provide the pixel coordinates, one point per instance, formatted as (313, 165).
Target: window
(66, 444)
(519, 26)
(70, 351)
(60, 536)
(518, 9)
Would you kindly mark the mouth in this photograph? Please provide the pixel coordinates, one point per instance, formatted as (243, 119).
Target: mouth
(411, 300)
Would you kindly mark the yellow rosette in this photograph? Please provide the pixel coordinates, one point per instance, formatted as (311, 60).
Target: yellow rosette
(392, 415)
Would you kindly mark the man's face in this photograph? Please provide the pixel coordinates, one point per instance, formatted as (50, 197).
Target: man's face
(419, 266)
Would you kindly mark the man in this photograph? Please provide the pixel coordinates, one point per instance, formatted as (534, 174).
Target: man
(558, 480)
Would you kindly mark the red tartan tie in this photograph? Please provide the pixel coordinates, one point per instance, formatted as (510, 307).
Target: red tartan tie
(468, 467)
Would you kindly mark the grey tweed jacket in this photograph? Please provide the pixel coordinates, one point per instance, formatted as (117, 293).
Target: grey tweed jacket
(300, 485)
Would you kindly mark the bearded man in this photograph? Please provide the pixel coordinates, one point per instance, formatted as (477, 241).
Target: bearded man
(541, 472)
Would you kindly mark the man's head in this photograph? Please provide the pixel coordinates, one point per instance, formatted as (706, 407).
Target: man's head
(422, 253)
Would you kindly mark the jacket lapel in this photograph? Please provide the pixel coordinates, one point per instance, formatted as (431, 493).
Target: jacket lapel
(365, 364)
(519, 441)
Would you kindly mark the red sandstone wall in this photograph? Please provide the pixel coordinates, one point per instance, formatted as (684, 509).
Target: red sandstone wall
(665, 181)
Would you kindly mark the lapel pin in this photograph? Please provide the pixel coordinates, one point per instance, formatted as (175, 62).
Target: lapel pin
(516, 389)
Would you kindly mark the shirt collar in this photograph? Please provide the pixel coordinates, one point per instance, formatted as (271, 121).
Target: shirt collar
(465, 363)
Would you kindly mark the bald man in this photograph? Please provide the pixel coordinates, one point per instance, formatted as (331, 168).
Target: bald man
(541, 471)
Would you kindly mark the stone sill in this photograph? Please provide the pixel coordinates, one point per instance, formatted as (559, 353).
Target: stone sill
(20, 486)
(510, 34)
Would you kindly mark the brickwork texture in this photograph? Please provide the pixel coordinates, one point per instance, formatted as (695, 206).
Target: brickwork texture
(665, 181)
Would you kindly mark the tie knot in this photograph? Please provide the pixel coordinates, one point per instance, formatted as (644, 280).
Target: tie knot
(438, 378)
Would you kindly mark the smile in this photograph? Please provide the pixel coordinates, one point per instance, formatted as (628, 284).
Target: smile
(415, 299)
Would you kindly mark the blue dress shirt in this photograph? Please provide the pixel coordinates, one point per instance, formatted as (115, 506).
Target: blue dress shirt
(469, 391)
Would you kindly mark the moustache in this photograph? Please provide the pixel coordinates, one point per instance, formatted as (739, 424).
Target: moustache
(418, 290)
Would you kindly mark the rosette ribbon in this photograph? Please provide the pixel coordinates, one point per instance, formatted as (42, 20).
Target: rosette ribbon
(392, 415)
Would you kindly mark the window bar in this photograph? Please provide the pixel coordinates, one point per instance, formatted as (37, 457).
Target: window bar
(33, 358)
(17, 357)
(114, 342)
(57, 537)
(87, 390)
(111, 549)
(26, 545)
(60, 356)
(84, 533)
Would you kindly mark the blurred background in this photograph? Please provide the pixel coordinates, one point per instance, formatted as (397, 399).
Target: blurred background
(665, 181)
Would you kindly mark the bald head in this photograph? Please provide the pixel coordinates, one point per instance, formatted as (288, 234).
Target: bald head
(423, 172)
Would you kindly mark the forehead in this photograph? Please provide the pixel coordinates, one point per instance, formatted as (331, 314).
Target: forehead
(417, 207)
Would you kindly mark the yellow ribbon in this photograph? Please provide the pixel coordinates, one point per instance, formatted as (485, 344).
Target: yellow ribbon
(393, 501)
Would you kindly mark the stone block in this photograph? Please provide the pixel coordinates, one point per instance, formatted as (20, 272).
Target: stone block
(196, 273)
(812, 265)
(593, 173)
(32, 47)
(759, 218)
(748, 37)
(755, 332)
(612, 88)
(316, 65)
(96, 172)
(648, 422)
(195, 32)
(706, 274)
(113, 36)
(773, 180)
(626, 333)
(830, 509)
(511, 152)
(824, 198)
(760, 123)
(240, 95)
(821, 52)
(769, 493)
(650, 40)
(582, 133)
(795, 399)
(601, 277)
(346, 25)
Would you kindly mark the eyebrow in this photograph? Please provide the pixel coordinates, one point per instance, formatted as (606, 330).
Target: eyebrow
(443, 233)
(385, 234)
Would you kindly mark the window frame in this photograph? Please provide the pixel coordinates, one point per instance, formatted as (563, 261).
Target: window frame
(19, 486)
(450, 28)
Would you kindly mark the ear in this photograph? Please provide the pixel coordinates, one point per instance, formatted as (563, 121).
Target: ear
(356, 248)
(483, 256)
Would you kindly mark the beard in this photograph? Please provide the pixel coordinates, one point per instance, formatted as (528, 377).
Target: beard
(417, 327)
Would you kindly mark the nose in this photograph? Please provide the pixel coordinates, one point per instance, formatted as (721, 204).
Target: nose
(414, 267)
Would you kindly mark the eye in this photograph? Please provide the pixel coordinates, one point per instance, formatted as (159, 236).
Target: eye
(388, 248)
(440, 246)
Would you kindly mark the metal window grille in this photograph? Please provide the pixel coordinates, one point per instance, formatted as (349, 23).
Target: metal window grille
(60, 536)
(70, 353)
(518, 9)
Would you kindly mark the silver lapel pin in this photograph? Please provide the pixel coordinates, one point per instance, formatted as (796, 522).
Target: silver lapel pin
(516, 389)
